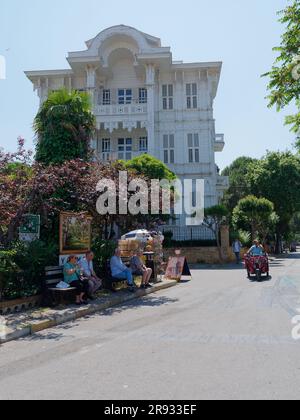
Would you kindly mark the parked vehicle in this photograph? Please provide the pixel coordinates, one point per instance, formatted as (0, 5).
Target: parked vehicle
(257, 266)
(137, 235)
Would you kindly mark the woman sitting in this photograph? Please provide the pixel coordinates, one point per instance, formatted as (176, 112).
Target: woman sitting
(72, 278)
(139, 269)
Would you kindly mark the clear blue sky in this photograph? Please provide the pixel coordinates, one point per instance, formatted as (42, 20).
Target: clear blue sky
(36, 35)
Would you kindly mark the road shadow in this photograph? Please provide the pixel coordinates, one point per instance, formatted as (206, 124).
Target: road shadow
(146, 302)
(262, 280)
(205, 267)
(50, 335)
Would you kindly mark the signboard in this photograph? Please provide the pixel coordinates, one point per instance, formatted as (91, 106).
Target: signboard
(30, 228)
(75, 233)
(177, 267)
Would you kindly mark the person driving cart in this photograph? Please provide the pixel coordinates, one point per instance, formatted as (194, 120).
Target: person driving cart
(256, 261)
(256, 250)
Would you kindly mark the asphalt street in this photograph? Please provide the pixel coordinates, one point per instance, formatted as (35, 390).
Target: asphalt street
(218, 336)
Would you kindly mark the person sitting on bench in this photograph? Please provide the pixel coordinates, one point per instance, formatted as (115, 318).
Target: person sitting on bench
(87, 268)
(120, 271)
(139, 269)
(72, 277)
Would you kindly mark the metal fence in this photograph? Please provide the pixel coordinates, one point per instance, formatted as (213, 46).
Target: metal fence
(189, 233)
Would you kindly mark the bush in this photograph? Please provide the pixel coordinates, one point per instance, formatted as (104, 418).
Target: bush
(22, 268)
(8, 271)
(103, 251)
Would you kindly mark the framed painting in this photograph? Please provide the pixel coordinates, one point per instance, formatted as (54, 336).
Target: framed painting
(75, 233)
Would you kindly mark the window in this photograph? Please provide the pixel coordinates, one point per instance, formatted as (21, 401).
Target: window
(106, 98)
(125, 149)
(125, 96)
(168, 97)
(192, 95)
(169, 149)
(106, 145)
(194, 148)
(106, 149)
(143, 96)
(144, 144)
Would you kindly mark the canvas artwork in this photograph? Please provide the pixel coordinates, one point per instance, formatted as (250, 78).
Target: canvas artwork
(75, 233)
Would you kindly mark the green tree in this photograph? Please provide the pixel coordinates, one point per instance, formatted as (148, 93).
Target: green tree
(150, 167)
(277, 178)
(64, 127)
(215, 217)
(284, 85)
(255, 214)
(238, 181)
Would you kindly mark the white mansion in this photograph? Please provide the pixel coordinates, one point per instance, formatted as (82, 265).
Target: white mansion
(145, 102)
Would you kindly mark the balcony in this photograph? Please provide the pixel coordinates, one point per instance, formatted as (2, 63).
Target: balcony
(219, 142)
(133, 108)
(114, 156)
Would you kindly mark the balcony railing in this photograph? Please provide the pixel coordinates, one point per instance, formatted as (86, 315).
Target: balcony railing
(128, 109)
(114, 156)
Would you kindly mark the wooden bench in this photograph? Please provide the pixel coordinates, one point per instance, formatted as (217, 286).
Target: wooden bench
(53, 276)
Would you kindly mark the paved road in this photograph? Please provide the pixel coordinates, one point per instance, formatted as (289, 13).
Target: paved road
(217, 337)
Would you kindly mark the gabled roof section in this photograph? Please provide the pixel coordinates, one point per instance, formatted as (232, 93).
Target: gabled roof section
(144, 43)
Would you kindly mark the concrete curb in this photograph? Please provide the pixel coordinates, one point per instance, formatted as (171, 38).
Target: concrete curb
(69, 315)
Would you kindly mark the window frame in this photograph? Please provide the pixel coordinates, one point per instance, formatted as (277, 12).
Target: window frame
(168, 97)
(143, 144)
(127, 146)
(126, 97)
(192, 96)
(169, 149)
(106, 97)
(143, 95)
(193, 143)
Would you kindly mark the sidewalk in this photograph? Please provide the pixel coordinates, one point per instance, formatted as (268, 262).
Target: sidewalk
(20, 325)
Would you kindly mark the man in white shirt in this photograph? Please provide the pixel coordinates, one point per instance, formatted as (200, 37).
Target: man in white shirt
(237, 247)
(87, 267)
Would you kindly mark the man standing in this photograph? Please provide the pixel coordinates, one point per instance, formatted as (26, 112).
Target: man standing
(87, 268)
(237, 247)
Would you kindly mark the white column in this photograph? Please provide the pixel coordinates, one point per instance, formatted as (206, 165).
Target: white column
(150, 84)
(91, 81)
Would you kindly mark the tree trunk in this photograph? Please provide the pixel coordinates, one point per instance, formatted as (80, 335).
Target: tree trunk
(219, 245)
(278, 244)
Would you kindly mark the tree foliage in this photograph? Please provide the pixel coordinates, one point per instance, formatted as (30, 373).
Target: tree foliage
(151, 167)
(30, 187)
(64, 127)
(284, 85)
(276, 177)
(255, 214)
(238, 182)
